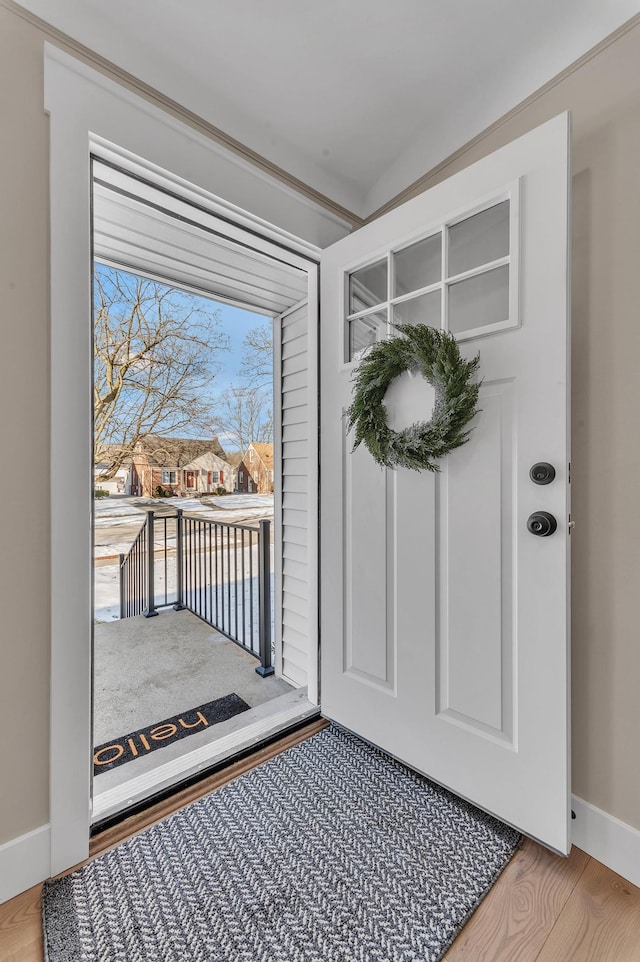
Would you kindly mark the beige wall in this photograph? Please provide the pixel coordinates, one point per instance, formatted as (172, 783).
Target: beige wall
(24, 432)
(604, 96)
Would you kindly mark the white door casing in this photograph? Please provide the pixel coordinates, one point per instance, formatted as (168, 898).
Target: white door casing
(89, 113)
(445, 622)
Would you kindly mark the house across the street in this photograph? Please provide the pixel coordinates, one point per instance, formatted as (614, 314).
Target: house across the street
(179, 466)
(120, 483)
(255, 471)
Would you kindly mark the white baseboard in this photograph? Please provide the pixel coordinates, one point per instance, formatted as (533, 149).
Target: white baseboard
(607, 839)
(24, 862)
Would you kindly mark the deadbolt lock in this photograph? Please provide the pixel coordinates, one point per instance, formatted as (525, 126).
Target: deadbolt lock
(542, 473)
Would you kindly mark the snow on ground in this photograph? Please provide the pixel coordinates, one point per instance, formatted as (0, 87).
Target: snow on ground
(234, 506)
(240, 515)
(112, 507)
(107, 586)
(112, 549)
(242, 501)
(113, 511)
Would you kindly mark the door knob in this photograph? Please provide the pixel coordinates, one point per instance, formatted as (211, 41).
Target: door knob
(541, 523)
(542, 473)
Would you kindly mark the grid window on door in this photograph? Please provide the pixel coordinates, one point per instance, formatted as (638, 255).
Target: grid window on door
(461, 278)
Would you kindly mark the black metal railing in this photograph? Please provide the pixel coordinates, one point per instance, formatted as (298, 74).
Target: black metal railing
(220, 572)
(133, 577)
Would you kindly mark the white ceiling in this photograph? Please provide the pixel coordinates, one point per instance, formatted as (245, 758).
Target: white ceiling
(358, 98)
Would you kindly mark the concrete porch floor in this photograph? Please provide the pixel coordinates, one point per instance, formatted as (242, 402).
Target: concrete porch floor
(149, 669)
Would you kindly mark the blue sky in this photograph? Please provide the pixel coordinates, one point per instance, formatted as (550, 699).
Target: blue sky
(233, 322)
(236, 323)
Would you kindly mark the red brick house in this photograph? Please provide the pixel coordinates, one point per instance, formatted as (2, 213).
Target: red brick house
(179, 466)
(244, 481)
(256, 470)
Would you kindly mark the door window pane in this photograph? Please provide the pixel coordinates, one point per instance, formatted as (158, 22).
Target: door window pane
(418, 266)
(368, 287)
(424, 309)
(365, 331)
(479, 239)
(479, 300)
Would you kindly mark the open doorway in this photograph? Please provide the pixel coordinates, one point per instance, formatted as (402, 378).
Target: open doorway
(197, 428)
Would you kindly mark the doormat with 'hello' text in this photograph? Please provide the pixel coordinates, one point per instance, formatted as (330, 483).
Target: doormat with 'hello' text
(136, 744)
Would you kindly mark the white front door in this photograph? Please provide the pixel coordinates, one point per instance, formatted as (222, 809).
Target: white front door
(444, 619)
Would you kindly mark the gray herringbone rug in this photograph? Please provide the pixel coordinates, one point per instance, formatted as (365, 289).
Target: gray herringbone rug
(330, 851)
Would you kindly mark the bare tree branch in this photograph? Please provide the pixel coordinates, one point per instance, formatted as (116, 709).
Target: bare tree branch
(156, 353)
(243, 415)
(257, 358)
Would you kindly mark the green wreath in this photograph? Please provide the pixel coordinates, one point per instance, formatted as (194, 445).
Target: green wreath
(435, 354)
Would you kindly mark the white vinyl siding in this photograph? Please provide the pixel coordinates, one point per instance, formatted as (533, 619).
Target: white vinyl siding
(164, 237)
(296, 439)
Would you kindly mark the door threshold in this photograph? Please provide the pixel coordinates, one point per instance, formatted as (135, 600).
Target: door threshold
(120, 799)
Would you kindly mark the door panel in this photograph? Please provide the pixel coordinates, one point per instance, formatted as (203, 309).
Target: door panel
(369, 630)
(474, 682)
(444, 621)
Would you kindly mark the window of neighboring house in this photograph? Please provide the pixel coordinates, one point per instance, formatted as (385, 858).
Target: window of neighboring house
(251, 454)
(216, 475)
(168, 477)
(241, 477)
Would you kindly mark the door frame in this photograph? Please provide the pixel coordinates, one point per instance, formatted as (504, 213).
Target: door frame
(88, 113)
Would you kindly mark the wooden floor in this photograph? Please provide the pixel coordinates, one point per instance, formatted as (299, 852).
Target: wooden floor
(543, 908)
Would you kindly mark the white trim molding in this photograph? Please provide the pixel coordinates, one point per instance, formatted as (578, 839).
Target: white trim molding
(24, 862)
(607, 839)
(101, 65)
(160, 142)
